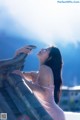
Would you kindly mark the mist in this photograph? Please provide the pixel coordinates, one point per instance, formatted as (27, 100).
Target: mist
(44, 20)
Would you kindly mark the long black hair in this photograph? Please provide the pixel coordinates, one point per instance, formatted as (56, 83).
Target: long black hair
(54, 61)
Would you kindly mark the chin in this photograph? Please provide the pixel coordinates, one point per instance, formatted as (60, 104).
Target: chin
(38, 55)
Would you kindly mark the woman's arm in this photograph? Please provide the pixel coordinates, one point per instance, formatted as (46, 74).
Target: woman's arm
(31, 75)
(34, 87)
(31, 85)
(45, 79)
(45, 76)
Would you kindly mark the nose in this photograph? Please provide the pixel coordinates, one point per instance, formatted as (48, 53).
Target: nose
(41, 50)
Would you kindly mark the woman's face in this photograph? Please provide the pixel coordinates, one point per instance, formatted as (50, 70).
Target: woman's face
(43, 54)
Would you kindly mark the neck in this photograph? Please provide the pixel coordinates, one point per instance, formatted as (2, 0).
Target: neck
(41, 63)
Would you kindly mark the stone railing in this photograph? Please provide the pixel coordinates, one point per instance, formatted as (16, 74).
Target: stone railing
(15, 97)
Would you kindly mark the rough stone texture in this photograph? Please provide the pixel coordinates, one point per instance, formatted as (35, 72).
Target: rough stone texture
(15, 97)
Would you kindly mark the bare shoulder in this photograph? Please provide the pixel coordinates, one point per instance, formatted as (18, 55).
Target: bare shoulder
(45, 69)
(34, 75)
(45, 76)
(46, 72)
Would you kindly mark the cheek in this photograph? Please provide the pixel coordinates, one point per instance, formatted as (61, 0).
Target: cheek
(45, 56)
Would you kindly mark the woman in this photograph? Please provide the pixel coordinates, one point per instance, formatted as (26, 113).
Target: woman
(46, 83)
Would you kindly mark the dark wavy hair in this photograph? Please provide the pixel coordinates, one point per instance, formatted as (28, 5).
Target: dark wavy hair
(54, 61)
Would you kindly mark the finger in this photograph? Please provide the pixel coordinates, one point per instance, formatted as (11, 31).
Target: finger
(23, 47)
(27, 46)
(30, 47)
(26, 51)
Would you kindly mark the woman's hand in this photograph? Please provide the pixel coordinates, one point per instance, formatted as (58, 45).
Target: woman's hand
(26, 50)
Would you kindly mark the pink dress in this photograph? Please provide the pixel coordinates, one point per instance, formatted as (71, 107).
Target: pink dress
(48, 103)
